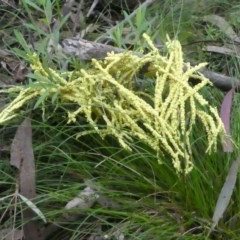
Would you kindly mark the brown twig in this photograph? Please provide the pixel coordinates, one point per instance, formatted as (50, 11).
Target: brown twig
(221, 81)
(86, 50)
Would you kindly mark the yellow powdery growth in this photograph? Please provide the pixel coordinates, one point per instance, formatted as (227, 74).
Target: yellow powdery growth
(106, 92)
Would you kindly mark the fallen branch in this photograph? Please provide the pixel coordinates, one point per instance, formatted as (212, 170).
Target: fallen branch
(86, 50)
(221, 81)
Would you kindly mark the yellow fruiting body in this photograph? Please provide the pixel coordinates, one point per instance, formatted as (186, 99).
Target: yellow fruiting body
(106, 91)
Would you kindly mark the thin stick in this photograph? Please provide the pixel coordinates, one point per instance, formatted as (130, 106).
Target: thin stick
(145, 4)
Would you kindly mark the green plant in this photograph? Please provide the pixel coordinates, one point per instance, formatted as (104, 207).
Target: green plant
(145, 199)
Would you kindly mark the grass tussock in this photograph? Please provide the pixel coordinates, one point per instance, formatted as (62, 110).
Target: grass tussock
(135, 197)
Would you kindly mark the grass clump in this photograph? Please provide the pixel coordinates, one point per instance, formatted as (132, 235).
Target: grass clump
(82, 136)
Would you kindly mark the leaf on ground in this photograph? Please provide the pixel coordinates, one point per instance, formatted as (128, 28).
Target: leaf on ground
(15, 68)
(223, 25)
(11, 234)
(85, 199)
(23, 159)
(221, 50)
(225, 194)
(31, 205)
(225, 114)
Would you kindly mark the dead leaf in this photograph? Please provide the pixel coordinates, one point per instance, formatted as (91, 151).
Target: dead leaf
(13, 67)
(23, 159)
(225, 194)
(85, 199)
(223, 25)
(225, 114)
(11, 234)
